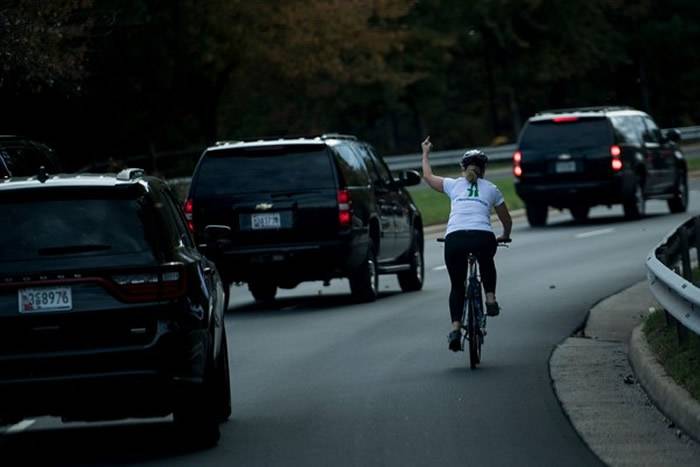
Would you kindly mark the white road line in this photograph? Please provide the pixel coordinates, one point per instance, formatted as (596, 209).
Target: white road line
(594, 233)
(21, 426)
(440, 268)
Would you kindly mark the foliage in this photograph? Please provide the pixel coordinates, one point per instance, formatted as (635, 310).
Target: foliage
(158, 75)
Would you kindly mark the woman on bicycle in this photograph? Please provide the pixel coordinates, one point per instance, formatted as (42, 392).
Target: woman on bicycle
(469, 230)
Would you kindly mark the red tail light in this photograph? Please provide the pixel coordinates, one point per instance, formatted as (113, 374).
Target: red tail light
(564, 119)
(616, 152)
(188, 208)
(517, 159)
(344, 205)
(164, 284)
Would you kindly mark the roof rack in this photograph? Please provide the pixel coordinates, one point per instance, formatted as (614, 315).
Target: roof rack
(130, 174)
(602, 108)
(338, 136)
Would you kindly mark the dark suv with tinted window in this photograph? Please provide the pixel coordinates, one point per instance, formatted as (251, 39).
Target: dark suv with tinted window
(107, 308)
(285, 211)
(578, 158)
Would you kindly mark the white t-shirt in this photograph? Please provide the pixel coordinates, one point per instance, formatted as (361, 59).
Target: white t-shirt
(471, 204)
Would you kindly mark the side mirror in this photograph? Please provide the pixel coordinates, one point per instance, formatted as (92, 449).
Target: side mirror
(409, 178)
(673, 135)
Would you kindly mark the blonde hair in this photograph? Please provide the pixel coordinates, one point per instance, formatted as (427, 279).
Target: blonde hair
(471, 174)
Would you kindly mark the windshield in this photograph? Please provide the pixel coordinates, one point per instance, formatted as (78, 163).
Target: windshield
(582, 133)
(53, 228)
(278, 169)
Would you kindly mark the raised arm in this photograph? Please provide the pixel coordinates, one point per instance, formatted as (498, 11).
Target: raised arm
(504, 216)
(433, 181)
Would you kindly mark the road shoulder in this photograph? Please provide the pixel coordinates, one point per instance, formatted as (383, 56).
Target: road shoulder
(596, 386)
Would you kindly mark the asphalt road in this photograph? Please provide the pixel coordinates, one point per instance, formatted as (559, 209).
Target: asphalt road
(318, 380)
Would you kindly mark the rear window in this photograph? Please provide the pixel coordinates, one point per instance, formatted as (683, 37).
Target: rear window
(280, 168)
(55, 228)
(581, 133)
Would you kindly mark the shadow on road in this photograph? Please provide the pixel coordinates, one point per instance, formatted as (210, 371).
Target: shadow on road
(124, 443)
(596, 221)
(306, 303)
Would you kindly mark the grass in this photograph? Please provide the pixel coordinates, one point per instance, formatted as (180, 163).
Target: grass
(682, 362)
(435, 207)
(693, 164)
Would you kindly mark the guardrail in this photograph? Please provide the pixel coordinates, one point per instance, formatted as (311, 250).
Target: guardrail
(495, 153)
(670, 276)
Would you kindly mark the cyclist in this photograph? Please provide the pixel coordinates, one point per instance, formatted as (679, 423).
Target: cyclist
(469, 230)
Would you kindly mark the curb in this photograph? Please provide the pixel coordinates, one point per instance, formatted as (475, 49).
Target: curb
(674, 401)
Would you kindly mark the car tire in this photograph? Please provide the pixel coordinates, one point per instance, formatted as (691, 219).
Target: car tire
(536, 214)
(634, 207)
(679, 202)
(580, 213)
(412, 280)
(364, 282)
(196, 418)
(262, 291)
(223, 382)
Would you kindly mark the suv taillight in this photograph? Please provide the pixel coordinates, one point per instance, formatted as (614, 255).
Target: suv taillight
(187, 208)
(344, 205)
(616, 153)
(517, 160)
(167, 283)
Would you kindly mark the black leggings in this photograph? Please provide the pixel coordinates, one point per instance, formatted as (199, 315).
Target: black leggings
(458, 245)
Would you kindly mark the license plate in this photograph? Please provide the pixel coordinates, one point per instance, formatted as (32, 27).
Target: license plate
(265, 221)
(45, 299)
(565, 167)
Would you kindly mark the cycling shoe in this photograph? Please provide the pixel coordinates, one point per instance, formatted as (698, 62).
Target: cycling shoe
(455, 340)
(492, 309)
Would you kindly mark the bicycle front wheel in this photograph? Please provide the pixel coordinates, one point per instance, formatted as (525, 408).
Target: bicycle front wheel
(473, 334)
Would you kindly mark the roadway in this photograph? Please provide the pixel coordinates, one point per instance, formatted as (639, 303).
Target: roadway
(318, 380)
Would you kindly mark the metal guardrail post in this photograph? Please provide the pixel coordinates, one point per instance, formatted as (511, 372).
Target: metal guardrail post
(681, 331)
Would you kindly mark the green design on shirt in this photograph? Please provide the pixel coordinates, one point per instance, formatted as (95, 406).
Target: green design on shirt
(473, 190)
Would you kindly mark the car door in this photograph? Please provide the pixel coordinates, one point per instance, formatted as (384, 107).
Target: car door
(388, 204)
(652, 156)
(665, 154)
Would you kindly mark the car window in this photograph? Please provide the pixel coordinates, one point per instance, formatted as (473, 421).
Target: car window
(263, 169)
(380, 167)
(178, 217)
(579, 133)
(626, 130)
(351, 166)
(652, 133)
(60, 226)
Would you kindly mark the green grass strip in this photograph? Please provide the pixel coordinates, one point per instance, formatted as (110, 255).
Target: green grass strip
(682, 363)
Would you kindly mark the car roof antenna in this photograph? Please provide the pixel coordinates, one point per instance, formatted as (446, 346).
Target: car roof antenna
(43, 175)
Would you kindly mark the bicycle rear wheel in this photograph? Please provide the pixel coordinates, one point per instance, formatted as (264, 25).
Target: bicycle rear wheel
(473, 334)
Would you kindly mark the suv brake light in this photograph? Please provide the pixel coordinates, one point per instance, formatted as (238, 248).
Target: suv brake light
(188, 208)
(564, 119)
(517, 159)
(167, 283)
(344, 205)
(616, 152)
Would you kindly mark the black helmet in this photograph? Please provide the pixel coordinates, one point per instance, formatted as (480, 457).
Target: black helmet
(474, 157)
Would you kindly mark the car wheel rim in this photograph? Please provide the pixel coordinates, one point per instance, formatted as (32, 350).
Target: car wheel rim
(372, 275)
(419, 267)
(640, 200)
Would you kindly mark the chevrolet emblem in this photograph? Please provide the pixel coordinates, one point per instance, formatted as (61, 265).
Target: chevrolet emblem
(263, 207)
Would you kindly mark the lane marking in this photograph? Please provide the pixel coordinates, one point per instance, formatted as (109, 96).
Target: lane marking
(21, 426)
(440, 268)
(594, 233)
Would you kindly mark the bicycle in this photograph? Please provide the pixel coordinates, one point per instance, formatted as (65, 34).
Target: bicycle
(473, 316)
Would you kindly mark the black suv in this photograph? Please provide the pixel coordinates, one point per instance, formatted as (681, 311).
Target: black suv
(107, 309)
(302, 209)
(21, 157)
(579, 158)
